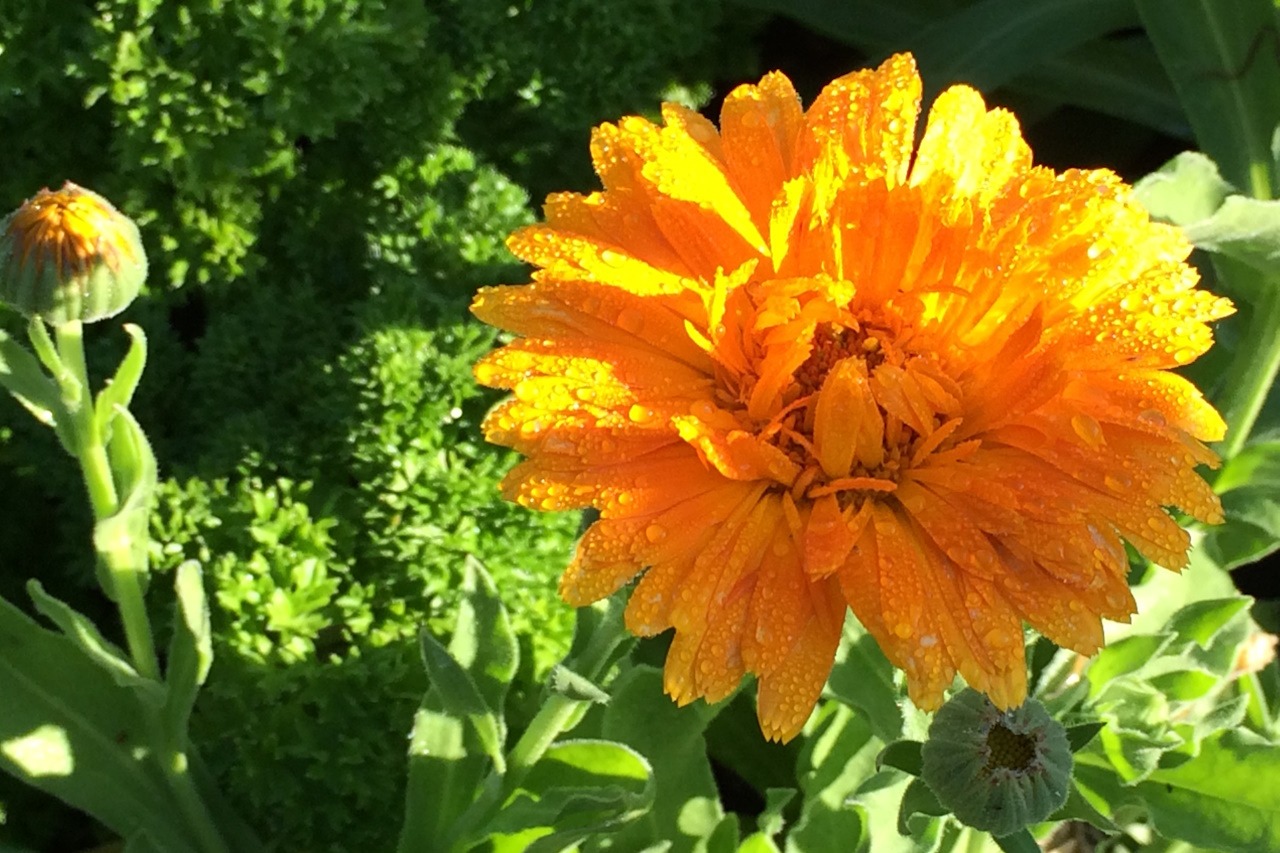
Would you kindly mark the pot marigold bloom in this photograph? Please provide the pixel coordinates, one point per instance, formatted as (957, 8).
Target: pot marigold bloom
(798, 369)
(70, 256)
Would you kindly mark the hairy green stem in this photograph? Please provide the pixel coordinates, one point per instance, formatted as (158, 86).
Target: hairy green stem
(123, 571)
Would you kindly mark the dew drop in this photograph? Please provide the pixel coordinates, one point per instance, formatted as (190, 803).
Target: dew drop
(631, 321)
(640, 414)
(655, 533)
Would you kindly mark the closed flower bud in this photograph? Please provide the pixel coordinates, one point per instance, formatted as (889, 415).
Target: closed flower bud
(997, 770)
(70, 255)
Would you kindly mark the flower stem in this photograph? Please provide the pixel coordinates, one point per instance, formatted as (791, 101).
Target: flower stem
(560, 712)
(124, 572)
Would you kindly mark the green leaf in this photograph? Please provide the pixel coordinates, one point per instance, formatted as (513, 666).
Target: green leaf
(686, 807)
(119, 391)
(579, 789)
(22, 376)
(1220, 59)
(81, 631)
(1200, 622)
(758, 842)
(1137, 731)
(68, 729)
(1221, 799)
(837, 760)
(772, 821)
(1079, 736)
(449, 759)
(190, 647)
(1078, 807)
(988, 43)
(1115, 77)
(1250, 488)
(862, 678)
(1184, 191)
(918, 799)
(483, 641)
(447, 773)
(903, 755)
(1247, 229)
(1125, 656)
(123, 538)
(461, 697)
(567, 683)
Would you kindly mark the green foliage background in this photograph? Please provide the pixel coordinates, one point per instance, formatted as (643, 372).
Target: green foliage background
(321, 187)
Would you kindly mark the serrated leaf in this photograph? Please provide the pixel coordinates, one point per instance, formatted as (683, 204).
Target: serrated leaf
(190, 647)
(85, 635)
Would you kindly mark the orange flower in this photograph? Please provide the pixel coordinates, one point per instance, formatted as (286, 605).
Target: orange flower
(797, 370)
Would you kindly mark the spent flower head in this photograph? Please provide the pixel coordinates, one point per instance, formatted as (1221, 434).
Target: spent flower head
(996, 770)
(70, 255)
(801, 365)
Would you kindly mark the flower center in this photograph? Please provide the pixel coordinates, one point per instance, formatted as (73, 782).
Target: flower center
(1009, 750)
(849, 395)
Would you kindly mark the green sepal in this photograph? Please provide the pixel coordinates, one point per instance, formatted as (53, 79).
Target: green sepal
(120, 390)
(190, 647)
(85, 635)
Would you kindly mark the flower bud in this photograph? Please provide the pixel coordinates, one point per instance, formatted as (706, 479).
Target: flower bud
(70, 255)
(996, 770)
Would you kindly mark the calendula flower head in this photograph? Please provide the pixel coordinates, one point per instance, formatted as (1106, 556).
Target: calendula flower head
(801, 365)
(70, 255)
(995, 770)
